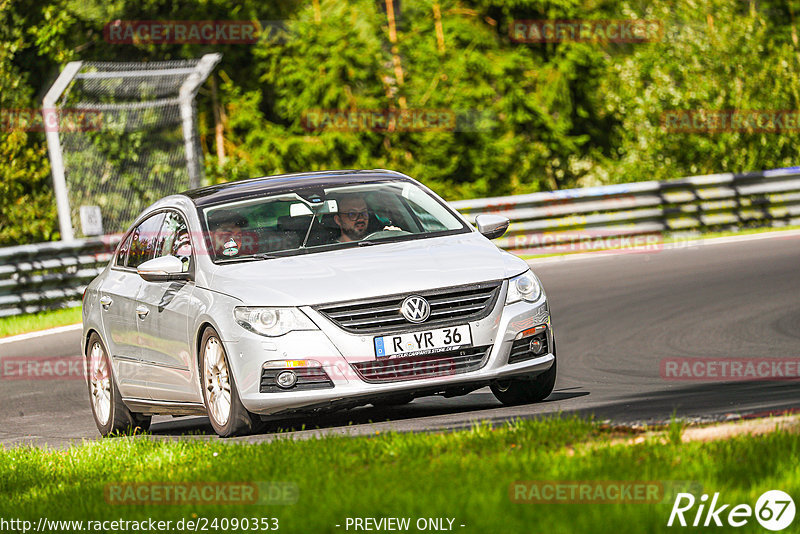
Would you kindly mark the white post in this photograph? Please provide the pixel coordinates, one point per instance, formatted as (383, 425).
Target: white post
(186, 97)
(54, 148)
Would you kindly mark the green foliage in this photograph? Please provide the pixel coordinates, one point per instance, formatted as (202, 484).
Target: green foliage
(726, 56)
(554, 115)
(26, 211)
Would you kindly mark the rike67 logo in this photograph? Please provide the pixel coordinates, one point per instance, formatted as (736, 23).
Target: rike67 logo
(774, 510)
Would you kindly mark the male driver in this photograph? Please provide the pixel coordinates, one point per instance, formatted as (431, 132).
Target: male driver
(352, 218)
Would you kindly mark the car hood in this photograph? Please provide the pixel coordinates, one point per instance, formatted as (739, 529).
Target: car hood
(363, 272)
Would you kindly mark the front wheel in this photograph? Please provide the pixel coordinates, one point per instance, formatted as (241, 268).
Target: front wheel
(111, 415)
(513, 392)
(225, 410)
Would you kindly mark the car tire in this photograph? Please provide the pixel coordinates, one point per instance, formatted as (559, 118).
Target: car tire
(227, 414)
(110, 414)
(516, 391)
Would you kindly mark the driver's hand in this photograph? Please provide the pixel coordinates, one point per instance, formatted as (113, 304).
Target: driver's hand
(386, 228)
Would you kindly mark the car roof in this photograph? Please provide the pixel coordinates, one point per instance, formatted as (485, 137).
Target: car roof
(215, 194)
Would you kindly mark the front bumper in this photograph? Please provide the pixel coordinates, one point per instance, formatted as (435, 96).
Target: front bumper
(330, 344)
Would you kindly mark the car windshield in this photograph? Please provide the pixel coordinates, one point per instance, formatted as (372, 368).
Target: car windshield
(305, 221)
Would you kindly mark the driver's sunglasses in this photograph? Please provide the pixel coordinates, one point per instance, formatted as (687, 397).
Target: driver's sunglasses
(355, 215)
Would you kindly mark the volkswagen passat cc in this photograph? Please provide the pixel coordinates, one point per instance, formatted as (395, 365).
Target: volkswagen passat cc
(263, 298)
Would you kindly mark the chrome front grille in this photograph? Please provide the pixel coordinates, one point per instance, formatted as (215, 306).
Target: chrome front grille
(382, 315)
(441, 364)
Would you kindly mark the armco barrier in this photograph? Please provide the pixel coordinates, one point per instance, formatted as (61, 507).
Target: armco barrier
(699, 203)
(48, 275)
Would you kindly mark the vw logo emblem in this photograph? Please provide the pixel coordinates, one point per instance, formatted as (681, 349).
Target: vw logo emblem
(415, 309)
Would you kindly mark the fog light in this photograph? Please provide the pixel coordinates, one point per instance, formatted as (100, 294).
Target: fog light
(536, 346)
(286, 379)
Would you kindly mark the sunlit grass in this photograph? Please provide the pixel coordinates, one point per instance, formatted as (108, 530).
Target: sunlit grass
(30, 322)
(464, 475)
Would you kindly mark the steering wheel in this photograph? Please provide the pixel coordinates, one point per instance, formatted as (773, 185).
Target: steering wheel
(385, 233)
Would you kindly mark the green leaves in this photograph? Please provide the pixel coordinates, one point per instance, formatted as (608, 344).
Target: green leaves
(720, 56)
(528, 116)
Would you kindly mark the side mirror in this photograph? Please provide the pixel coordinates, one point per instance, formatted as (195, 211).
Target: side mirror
(163, 269)
(492, 226)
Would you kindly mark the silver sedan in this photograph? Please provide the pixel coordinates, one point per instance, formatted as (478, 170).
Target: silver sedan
(311, 292)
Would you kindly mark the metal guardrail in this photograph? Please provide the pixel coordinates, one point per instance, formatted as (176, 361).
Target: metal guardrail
(50, 275)
(577, 219)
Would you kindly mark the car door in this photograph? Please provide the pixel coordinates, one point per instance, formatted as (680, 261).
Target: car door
(167, 307)
(117, 297)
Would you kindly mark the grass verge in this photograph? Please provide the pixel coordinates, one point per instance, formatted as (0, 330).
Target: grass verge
(465, 476)
(30, 322)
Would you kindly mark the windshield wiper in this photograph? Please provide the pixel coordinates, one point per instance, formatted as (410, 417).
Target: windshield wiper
(252, 257)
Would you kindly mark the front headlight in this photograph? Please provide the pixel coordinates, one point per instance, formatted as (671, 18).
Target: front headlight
(272, 321)
(524, 287)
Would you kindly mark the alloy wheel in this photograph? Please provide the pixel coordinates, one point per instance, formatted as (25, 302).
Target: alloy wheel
(217, 382)
(100, 383)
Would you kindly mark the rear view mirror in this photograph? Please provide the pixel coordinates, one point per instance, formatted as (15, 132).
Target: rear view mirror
(163, 269)
(299, 209)
(492, 226)
(320, 208)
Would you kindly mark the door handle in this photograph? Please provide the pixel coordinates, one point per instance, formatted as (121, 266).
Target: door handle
(106, 302)
(142, 311)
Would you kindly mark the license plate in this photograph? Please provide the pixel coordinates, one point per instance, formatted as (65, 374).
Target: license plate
(422, 343)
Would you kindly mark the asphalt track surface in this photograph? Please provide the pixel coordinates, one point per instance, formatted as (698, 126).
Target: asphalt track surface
(616, 316)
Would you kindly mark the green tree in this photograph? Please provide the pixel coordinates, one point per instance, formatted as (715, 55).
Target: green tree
(720, 55)
(554, 115)
(27, 211)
